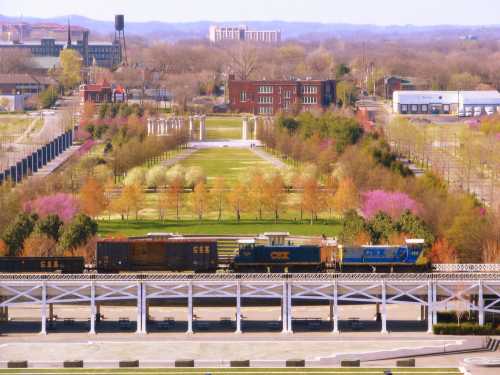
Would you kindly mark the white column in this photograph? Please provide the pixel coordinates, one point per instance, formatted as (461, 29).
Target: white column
(335, 307)
(190, 308)
(190, 126)
(92, 308)
(480, 304)
(43, 330)
(289, 307)
(430, 307)
(149, 126)
(139, 308)
(238, 307)
(434, 303)
(144, 310)
(284, 319)
(255, 128)
(384, 309)
(244, 129)
(202, 128)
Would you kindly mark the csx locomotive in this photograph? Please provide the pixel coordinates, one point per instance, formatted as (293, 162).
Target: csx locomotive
(271, 253)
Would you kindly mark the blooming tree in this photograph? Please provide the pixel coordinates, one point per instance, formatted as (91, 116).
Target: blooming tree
(61, 204)
(392, 203)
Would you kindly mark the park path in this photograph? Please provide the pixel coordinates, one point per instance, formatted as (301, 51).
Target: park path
(269, 158)
(179, 157)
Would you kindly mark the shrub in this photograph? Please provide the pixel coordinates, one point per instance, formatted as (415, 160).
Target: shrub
(465, 329)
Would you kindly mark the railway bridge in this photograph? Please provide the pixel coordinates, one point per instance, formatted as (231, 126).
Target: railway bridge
(478, 291)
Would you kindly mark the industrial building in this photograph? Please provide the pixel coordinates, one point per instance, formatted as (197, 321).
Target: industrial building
(458, 103)
(105, 54)
(271, 97)
(242, 33)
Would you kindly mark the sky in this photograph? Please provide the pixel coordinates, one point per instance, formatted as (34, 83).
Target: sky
(378, 12)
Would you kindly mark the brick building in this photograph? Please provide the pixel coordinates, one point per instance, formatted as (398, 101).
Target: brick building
(271, 97)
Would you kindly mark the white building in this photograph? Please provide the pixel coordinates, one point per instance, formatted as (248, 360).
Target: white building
(11, 103)
(241, 33)
(463, 103)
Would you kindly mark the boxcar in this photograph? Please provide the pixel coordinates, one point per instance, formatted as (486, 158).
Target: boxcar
(198, 255)
(284, 258)
(42, 264)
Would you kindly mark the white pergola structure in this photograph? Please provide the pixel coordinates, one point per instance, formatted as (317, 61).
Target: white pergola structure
(480, 292)
(163, 126)
(267, 121)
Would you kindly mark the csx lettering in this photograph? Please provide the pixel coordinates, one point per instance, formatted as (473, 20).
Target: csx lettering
(280, 255)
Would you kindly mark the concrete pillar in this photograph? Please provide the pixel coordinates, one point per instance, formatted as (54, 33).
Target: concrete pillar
(289, 308)
(202, 127)
(284, 319)
(190, 309)
(434, 303)
(43, 330)
(92, 309)
(238, 307)
(335, 308)
(384, 309)
(480, 304)
(430, 307)
(139, 308)
(190, 126)
(244, 129)
(144, 310)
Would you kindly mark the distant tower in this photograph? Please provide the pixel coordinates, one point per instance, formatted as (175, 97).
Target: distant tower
(120, 36)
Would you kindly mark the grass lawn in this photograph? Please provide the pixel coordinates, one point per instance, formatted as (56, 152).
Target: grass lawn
(14, 125)
(227, 162)
(225, 127)
(235, 371)
(226, 227)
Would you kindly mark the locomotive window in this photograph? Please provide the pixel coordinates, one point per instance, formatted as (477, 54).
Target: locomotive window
(42, 264)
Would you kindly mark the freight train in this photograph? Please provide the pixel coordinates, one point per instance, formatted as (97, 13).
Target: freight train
(201, 255)
(154, 253)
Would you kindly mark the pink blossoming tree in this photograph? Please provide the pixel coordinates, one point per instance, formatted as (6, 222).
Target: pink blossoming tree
(392, 203)
(61, 204)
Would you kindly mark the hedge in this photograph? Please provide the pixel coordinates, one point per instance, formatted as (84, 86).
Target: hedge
(465, 329)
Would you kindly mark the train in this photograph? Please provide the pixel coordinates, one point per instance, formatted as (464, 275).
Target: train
(270, 253)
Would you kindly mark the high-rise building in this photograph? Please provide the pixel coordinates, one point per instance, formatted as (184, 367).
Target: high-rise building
(241, 33)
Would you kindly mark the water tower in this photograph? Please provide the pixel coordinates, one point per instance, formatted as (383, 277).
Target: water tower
(120, 35)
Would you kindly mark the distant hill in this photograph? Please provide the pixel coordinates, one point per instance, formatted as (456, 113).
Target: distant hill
(290, 30)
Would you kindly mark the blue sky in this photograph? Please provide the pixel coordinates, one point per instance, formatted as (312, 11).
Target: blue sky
(380, 12)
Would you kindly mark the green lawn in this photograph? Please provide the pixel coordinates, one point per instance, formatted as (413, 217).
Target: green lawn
(224, 127)
(226, 227)
(227, 162)
(235, 371)
(15, 125)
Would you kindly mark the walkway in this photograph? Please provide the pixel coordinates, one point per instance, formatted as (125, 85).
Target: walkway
(179, 157)
(270, 158)
(57, 162)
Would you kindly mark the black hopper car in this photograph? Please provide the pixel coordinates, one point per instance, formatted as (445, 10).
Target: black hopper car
(42, 264)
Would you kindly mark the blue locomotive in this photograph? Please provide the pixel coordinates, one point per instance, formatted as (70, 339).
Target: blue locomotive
(383, 258)
(279, 256)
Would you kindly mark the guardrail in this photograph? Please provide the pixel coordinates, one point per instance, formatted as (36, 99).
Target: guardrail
(165, 276)
(489, 267)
